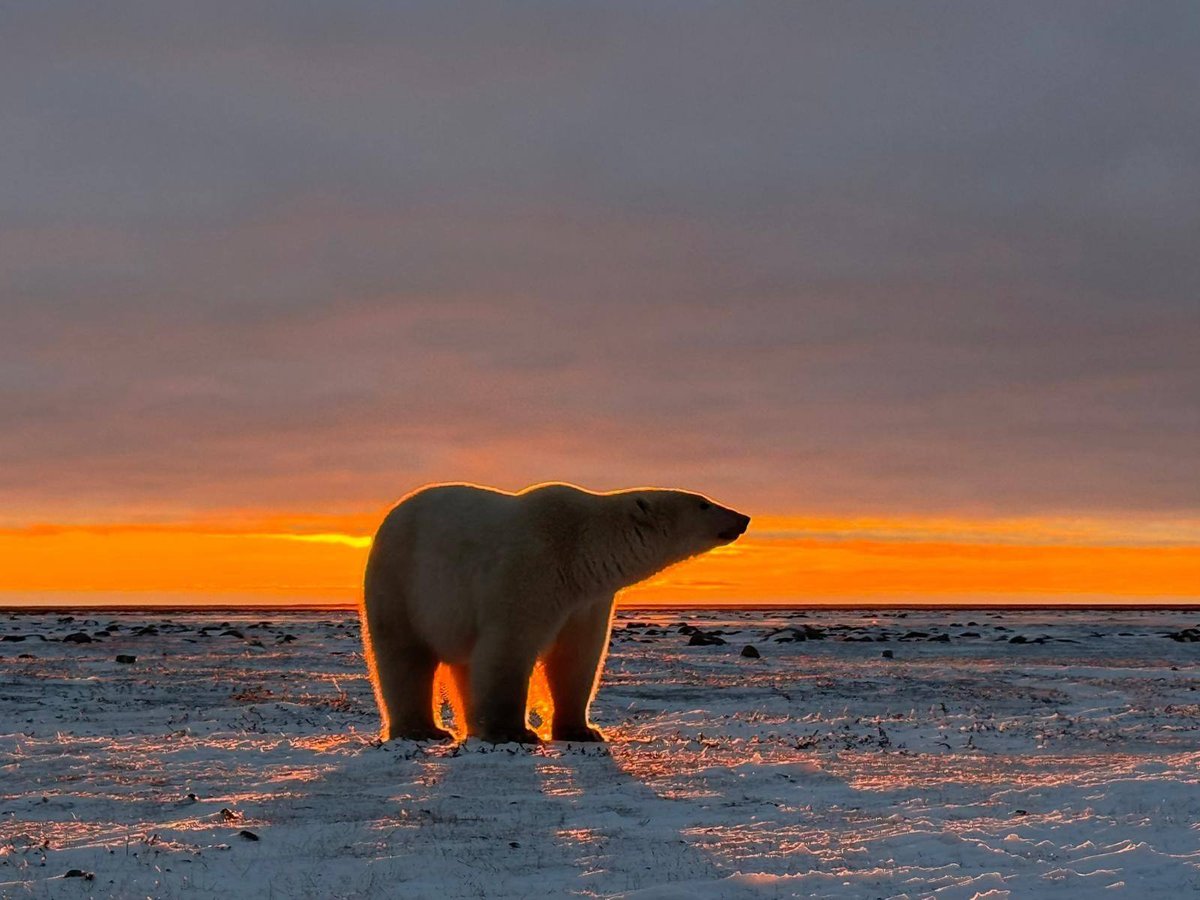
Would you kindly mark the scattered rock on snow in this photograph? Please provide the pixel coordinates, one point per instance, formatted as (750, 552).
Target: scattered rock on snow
(1186, 636)
(807, 633)
(751, 652)
(126, 659)
(78, 637)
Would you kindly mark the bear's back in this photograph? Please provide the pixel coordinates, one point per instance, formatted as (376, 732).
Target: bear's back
(449, 509)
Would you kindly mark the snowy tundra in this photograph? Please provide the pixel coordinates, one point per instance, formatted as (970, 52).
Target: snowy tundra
(960, 754)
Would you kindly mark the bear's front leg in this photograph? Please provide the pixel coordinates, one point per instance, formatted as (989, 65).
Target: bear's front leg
(500, 672)
(573, 669)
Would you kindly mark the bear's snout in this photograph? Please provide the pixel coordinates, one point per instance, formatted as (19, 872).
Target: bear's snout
(737, 529)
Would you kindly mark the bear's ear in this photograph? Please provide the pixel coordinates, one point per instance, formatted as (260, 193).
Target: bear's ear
(641, 511)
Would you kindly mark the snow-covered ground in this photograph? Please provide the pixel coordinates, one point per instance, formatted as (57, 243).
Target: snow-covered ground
(236, 757)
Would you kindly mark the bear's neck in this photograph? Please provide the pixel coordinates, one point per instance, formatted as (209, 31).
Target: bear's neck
(610, 556)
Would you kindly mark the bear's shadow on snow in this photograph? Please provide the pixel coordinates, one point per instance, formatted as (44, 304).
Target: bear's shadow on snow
(515, 808)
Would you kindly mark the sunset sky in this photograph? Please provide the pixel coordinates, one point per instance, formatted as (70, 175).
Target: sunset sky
(917, 285)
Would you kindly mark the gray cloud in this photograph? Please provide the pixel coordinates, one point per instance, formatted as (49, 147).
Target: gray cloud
(805, 257)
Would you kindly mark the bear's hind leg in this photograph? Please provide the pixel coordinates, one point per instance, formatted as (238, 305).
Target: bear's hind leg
(499, 674)
(406, 685)
(401, 668)
(573, 670)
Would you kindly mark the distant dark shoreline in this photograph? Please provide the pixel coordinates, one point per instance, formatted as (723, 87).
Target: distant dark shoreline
(730, 607)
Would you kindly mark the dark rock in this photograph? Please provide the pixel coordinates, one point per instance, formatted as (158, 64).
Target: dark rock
(1186, 636)
(807, 633)
(1018, 639)
(126, 659)
(286, 639)
(146, 629)
(247, 835)
(232, 632)
(79, 873)
(941, 638)
(26, 656)
(13, 637)
(912, 635)
(969, 634)
(888, 654)
(700, 639)
(751, 652)
(79, 637)
(687, 629)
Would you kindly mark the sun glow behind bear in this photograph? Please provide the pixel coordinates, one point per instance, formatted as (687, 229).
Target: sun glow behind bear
(837, 560)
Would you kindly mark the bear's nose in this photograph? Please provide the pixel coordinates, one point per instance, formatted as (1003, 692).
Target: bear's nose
(741, 523)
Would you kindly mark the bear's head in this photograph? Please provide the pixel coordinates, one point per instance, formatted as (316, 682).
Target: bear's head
(683, 524)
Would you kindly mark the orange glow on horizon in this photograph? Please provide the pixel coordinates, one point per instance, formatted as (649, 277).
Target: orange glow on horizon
(782, 559)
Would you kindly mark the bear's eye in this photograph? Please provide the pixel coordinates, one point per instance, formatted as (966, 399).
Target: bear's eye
(704, 504)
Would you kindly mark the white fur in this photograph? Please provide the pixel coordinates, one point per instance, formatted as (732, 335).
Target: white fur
(489, 582)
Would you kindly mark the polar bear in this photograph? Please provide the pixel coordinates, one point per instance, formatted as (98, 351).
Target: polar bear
(489, 582)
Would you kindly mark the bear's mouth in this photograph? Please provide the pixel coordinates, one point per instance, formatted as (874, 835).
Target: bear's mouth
(733, 532)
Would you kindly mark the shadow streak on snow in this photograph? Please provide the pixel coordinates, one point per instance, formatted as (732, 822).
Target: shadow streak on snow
(482, 820)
